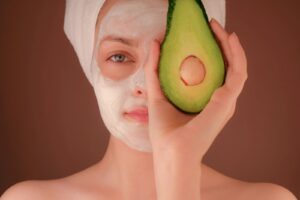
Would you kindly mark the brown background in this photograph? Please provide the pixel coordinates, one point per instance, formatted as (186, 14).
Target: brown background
(49, 121)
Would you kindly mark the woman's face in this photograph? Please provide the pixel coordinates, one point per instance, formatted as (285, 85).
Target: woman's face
(124, 33)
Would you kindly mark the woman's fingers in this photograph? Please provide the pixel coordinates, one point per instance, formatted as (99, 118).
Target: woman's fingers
(154, 92)
(222, 37)
(237, 71)
(222, 103)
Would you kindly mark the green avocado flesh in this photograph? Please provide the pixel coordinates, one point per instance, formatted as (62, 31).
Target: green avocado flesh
(189, 34)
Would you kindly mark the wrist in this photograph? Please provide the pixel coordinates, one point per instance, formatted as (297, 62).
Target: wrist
(176, 178)
(178, 156)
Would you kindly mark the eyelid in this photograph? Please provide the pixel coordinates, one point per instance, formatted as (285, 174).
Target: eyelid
(126, 59)
(108, 49)
(128, 56)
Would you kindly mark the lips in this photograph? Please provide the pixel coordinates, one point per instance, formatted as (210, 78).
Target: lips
(139, 114)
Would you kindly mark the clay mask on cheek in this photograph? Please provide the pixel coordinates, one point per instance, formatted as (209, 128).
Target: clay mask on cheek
(142, 21)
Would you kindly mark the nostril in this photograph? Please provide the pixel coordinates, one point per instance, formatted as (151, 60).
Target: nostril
(139, 92)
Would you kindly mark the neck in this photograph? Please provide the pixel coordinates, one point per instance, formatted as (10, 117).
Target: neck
(131, 172)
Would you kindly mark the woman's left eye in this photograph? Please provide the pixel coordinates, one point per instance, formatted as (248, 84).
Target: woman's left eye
(118, 58)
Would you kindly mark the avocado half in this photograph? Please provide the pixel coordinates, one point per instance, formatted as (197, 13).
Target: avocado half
(189, 34)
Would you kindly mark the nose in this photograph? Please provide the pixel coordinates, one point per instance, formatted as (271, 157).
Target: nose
(139, 84)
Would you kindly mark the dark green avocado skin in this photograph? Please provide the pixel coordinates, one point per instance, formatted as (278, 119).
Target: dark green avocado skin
(172, 4)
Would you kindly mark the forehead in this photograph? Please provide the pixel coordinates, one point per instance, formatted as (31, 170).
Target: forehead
(130, 4)
(134, 5)
(134, 17)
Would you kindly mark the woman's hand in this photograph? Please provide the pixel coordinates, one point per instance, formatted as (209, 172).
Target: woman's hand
(185, 136)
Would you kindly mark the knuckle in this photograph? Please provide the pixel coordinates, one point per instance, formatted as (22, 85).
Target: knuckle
(241, 77)
(218, 95)
(222, 96)
(232, 110)
(245, 76)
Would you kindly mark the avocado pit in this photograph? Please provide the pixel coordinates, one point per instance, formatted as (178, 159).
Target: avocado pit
(192, 71)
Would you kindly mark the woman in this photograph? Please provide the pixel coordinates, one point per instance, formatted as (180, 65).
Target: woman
(154, 152)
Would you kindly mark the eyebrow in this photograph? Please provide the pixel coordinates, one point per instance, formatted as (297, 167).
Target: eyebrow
(115, 38)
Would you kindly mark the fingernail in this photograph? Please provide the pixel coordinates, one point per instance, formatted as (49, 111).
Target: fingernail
(234, 36)
(213, 21)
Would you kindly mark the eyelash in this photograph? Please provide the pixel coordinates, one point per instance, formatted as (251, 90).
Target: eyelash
(126, 58)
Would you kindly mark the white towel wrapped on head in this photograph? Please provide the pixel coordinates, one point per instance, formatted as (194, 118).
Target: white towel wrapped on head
(80, 23)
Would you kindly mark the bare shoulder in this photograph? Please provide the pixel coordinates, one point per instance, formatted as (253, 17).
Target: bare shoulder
(260, 191)
(225, 187)
(268, 191)
(82, 185)
(240, 190)
(28, 190)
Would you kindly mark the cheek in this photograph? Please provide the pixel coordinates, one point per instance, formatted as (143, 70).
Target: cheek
(116, 72)
(111, 98)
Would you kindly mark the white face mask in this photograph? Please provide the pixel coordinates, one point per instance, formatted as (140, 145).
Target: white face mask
(143, 21)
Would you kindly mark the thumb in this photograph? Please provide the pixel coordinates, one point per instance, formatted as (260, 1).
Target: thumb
(154, 91)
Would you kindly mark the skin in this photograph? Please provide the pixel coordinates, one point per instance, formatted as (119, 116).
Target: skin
(127, 174)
